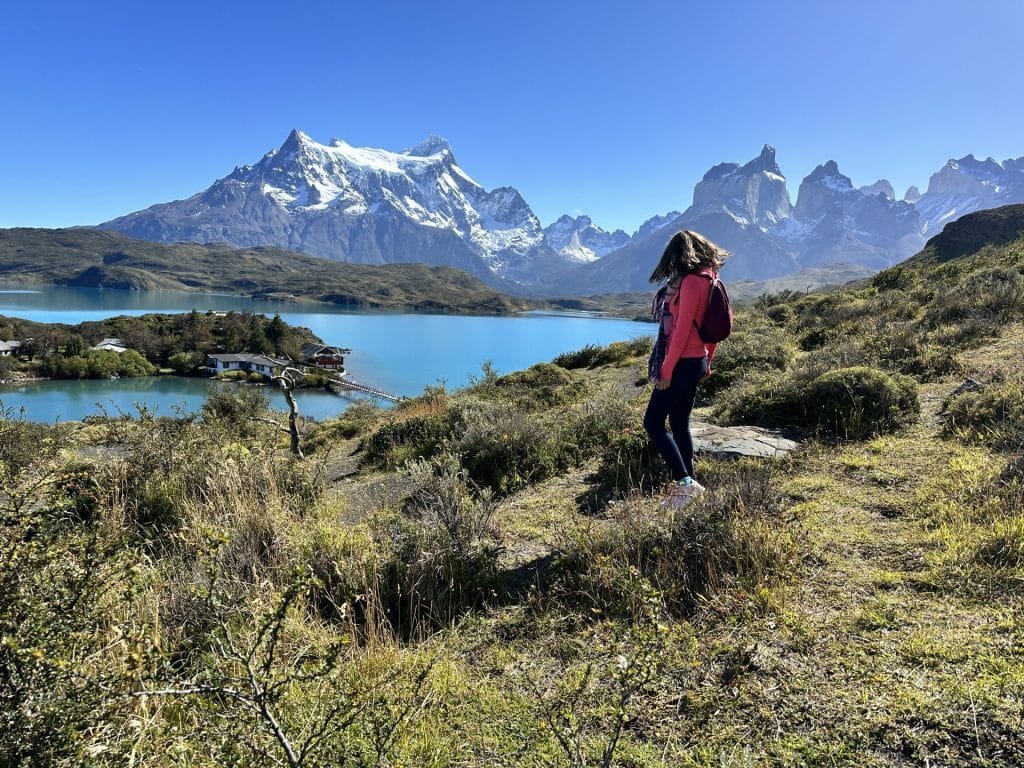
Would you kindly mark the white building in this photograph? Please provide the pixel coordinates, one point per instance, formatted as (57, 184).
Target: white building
(246, 362)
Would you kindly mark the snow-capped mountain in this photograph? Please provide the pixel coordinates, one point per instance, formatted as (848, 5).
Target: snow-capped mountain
(367, 205)
(746, 209)
(733, 205)
(835, 222)
(364, 205)
(580, 240)
(967, 185)
(754, 193)
(655, 224)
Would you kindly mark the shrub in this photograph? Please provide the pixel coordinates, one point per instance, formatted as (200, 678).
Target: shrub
(23, 443)
(589, 429)
(131, 364)
(735, 536)
(412, 437)
(993, 415)
(65, 659)
(848, 403)
(996, 293)
(580, 358)
(621, 351)
(440, 556)
(505, 450)
(355, 421)
(181, 363)
(903, 348)
(237, 408)
(780, 314)
(899, 278)
(616, 352)
(747, 352)
(541, 385)
(630, 462)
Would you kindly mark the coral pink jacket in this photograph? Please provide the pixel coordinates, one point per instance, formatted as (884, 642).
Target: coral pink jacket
(687, 307)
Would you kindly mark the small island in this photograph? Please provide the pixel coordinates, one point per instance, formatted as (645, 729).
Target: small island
(228, 345)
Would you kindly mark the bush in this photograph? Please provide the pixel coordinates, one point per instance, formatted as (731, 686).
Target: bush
(66, 665)
(621, 351)
(993, 415)
(23, 443)
(996, 293)
(505, 450)
(592, 355)
(238, 408)
(440, 557)
(181, 363)
(542, 385)
(630, 463)
(131, 364)
(580, 358)
(747, 352)
(355, 421)
(736, 536)
(848, 403)
(403, 439)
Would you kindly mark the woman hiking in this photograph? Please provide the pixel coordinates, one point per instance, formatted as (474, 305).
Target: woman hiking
(680, 358)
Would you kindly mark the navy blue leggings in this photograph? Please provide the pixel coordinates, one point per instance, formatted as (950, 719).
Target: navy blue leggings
(676, 403)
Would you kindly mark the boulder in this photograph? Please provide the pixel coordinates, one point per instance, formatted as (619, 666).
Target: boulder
(740, 441)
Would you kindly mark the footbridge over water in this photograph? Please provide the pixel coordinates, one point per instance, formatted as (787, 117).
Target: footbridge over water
(340, 385)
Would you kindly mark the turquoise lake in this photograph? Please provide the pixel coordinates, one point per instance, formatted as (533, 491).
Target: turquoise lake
(399, 353)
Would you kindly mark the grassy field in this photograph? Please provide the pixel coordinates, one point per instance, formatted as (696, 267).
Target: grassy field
(486, 578)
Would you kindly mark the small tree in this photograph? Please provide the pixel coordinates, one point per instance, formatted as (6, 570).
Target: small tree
(288, 380)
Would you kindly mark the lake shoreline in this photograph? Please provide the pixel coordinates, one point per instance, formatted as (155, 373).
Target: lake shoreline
(394, 352)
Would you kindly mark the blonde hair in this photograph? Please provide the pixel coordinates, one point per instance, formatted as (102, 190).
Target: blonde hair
(687, 252)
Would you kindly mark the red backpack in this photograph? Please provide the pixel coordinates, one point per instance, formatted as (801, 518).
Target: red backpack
(717, 323)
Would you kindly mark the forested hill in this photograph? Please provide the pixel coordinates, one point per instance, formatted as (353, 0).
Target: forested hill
(98, 259)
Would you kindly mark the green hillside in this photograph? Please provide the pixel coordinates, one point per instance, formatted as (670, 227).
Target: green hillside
(486, 577)
(101, 259)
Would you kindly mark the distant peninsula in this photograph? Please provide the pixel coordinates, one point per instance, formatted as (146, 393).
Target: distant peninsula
(91, 258)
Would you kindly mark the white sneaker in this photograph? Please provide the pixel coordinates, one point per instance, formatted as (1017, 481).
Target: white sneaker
(681, 494)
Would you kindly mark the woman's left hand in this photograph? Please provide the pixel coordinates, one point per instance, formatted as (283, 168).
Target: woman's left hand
(663, 384)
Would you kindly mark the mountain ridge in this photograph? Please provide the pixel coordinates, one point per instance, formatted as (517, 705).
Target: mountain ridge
(94, 258)
(375, 206)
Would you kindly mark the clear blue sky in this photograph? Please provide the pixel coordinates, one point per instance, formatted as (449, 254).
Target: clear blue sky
(614, 109)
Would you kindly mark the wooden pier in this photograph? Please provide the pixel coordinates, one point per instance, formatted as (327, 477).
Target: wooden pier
(340, 385)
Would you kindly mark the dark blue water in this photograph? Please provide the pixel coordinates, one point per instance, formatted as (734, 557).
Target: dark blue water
(400, 353)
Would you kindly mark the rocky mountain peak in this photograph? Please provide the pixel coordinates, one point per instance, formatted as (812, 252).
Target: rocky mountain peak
(912, 195)
(432, 145)
(880, 187)
(754, 193)
(655, 224)
(828, 172)
(579, 239)
(763, 163)
(296, 140)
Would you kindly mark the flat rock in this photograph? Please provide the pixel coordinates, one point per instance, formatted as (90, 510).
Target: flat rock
(740, 441)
